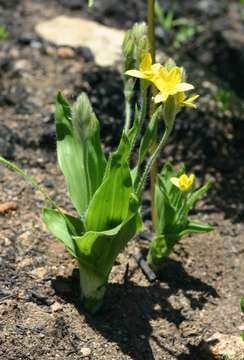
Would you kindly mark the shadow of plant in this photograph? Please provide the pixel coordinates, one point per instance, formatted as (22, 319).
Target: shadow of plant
(129, 309)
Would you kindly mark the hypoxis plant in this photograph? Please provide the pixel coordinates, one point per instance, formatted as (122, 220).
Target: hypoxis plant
(106, 191)
(175, 195)
(101, 191)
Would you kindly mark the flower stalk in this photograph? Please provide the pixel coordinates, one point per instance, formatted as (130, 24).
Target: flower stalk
(153, 159)
(151, 37)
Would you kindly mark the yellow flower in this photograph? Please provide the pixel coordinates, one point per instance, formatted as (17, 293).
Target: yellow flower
(184, 182)
(170, 82)
(182, 100)
(147, 69)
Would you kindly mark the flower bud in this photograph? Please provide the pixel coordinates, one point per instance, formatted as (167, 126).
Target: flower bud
(135, 45)
(83, 118)
(169, 112)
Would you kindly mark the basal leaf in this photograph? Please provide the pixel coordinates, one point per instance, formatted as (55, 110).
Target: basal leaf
(99, 249)
(109, 206)
(79, 151)
(63, 227)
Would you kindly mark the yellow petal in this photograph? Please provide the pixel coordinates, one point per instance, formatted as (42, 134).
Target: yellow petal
(192, 179)
(184, 87)
(190, 101)
(146, 62)
(135, 73)
(175, 181)
(156, 67)
(180, 98)
(163, 73)
(175, 74)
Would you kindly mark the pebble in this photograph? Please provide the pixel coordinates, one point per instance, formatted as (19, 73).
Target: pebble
(85, 351)
(56, 307)
(65, 52)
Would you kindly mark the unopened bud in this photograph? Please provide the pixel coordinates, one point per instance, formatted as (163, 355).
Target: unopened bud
(169, 112)
(83, 118)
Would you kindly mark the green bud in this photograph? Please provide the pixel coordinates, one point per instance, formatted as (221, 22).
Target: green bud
(135, 45)
(84, 120)
(169, 112)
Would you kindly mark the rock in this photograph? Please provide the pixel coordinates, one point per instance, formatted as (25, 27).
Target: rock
(104, 42)
(226, 346)
(22, 65)
(56, 307)
(5, 207)
(85, 351)
(65, 52)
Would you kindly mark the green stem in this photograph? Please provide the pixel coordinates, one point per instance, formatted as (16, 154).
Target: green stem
(142, 115)
(128, 92)
(92, 289)
(151, 37)
(151, 26)
(152, 160)
(127, 114)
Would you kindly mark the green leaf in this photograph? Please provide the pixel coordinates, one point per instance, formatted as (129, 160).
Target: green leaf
(196, 195)
(194, 226)
(110, 204)
(63, 227)
(79, 151)
(149, 136)
(165, 213)
(97, 250)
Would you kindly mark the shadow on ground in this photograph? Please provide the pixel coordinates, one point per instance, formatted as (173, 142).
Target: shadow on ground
(128, 309)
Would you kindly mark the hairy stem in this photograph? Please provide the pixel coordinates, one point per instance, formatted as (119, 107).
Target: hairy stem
(152, 160)
(151, 37)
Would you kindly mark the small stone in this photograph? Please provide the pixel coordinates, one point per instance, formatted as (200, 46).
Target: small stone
(22, 65)
(56, 307)
(5, 207)
(85, 351)
(65, 53)
(39, 272)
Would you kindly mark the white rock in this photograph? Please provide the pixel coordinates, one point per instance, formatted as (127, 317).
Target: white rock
(104, 42)
(85, 351)
(56, 307)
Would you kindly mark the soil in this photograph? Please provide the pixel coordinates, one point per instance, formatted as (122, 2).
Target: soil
(200, 289)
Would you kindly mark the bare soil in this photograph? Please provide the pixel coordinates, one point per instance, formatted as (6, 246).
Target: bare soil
(197, 295)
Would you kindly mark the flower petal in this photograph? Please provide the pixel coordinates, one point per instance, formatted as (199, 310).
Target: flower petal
(184, 87)
(135, 73)
(190, 101)
(175, 181)
(146, 62)
(160, 97)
